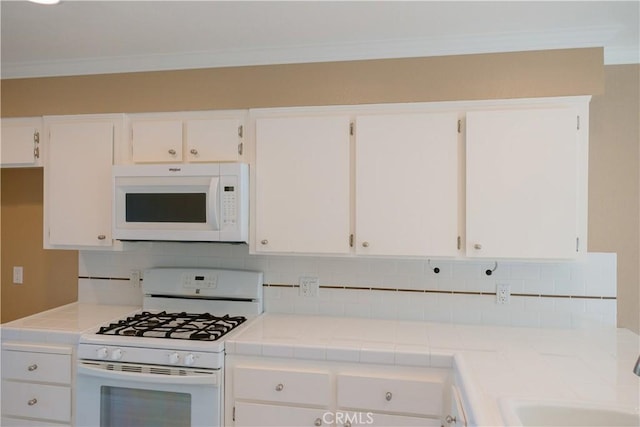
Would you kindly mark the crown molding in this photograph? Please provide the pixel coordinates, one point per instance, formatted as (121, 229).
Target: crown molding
(375, 49)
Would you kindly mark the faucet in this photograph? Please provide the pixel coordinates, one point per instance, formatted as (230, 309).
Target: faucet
(636, 369)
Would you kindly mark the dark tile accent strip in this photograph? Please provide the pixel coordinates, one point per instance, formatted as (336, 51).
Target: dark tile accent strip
(437, 291)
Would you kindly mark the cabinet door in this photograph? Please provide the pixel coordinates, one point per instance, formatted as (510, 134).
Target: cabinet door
(373, 419)
(77, 183)
(456, 416)
(302, 184)
(20, 142)
(156, 141)
(522, 183)
(259, 415)
(407, 184)
(215, 140)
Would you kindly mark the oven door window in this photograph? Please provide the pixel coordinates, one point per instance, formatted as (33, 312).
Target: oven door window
(144, 408)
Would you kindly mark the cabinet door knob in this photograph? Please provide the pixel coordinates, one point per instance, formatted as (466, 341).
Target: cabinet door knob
(194, 151)
(279, 387)
(32, 402)
(172, 152)
(450, 419)
(365, 244)
(102, 237)
(477, 246)
(388, 396)
(33, 367)
(317, 422)
(264, 242)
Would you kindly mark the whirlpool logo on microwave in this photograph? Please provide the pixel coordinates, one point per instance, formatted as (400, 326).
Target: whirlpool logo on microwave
(175, 169)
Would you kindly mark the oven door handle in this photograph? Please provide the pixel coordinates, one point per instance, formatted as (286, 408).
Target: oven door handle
(203, 378)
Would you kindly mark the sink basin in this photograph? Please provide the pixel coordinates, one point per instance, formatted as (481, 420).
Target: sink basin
(530, 413)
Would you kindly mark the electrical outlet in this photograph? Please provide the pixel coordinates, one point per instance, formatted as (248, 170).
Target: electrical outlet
(503, 293)
(17, 275)
(309, 286)
(134, 278)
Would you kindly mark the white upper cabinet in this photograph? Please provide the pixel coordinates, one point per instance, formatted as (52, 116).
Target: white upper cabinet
(302, 184)
(407, 184)
(526, 182)
(155, 141)
(20, 143)
(186, 137)
(77, 180)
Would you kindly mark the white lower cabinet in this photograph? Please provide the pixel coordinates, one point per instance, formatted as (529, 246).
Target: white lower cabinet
(456, 417)
(262, 391)
(256, 414)
(420, 396)
(36, 385)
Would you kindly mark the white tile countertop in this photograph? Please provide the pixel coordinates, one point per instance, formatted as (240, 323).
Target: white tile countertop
(586, 367)
(62, 325)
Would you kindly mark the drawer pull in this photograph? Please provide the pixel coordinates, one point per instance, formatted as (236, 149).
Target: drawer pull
(172, 152)
(450, 419)
(279, 387)
(317, 422)
(388, 396)
(32, 402)
(32, 368)
(194, 151)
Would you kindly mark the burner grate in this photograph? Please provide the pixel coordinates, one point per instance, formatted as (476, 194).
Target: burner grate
(187, 326)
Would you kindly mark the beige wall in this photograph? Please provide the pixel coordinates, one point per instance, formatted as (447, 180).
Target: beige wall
(488, 76)
(50, 277)
(614, 183)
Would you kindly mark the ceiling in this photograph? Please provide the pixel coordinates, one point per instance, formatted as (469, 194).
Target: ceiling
(90, 37)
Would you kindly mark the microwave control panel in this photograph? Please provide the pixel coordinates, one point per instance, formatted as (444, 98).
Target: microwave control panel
(229, 201)
(228, 205)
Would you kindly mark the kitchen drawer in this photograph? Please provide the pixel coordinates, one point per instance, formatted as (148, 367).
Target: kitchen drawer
(36, 401)
(260, 415)
(382, 394)
(21, 422)
(278, 385)
(32, 366)
(373, 419)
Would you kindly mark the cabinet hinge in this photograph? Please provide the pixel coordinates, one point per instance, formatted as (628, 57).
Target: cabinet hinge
(36, 142)
(459, 126)
(459, 242)
(233, 415)
(577, 244)
(578, 122)
(350, 240)
(240, 131)
(240, 148)
(351, 129)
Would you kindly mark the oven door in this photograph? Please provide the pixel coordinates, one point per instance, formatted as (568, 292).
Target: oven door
(127, 394)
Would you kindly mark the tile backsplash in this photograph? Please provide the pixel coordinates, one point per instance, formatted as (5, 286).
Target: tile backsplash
(573, 294)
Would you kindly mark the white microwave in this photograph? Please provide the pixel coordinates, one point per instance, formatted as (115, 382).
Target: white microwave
(181, 202)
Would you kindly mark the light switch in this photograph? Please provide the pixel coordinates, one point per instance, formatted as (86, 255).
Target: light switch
(17, 275)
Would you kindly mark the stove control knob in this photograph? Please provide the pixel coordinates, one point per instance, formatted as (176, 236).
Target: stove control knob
(116, 354)
(189, 359)
(102, 353)
(174, 358)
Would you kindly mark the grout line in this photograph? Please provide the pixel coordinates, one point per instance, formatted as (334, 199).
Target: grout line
(437, 291)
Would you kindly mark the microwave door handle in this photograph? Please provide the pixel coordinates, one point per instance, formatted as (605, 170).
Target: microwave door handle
(208, 379)
(214, 202)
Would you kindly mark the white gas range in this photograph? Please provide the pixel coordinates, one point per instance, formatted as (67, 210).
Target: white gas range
(164, 366)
